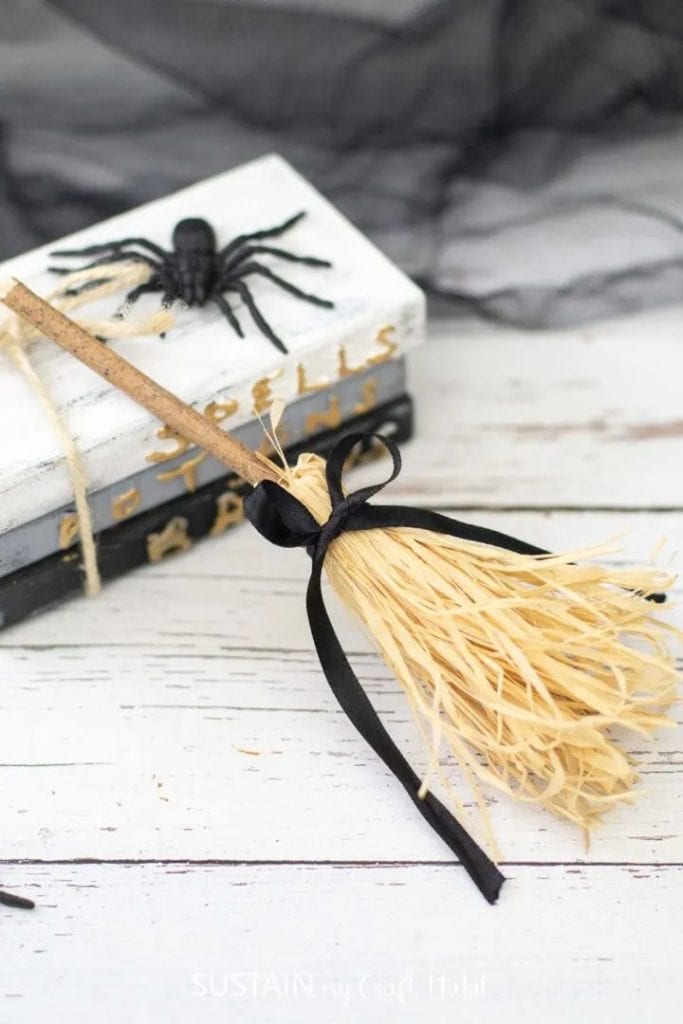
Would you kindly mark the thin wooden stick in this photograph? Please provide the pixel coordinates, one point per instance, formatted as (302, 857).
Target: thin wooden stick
(189, 423)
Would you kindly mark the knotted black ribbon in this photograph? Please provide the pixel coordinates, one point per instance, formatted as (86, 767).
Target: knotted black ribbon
(284, 521)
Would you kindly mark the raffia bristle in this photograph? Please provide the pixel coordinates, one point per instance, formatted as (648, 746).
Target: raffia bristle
(520, 665)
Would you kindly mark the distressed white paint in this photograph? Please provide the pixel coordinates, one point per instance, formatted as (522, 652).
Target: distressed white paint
(591, 416)
(178, 754)
(182, 717)
(305, 943)
(201, 358)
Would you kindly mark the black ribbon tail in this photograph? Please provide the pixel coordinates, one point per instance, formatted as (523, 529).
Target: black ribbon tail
(357, 706)
(9, 899)
(377, 517)
(382, 517)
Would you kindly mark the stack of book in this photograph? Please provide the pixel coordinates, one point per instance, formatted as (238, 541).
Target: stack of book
(150, 491)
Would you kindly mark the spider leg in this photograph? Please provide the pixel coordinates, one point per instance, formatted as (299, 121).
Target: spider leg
(168, 284)
(228, 313)
(153, 285)
(118, 257)
(258, 268)
(265, 233)
(241, 288)
(253, 250)
(94, 250)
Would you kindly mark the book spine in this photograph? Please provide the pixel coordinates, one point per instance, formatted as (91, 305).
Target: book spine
(175, 525)
(176, 468)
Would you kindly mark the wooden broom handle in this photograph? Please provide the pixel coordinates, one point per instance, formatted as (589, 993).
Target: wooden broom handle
(166, 406)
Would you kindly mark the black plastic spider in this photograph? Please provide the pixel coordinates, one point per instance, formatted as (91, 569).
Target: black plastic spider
(197, 272)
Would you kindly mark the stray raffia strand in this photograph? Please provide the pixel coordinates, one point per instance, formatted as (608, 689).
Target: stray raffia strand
(518, 665)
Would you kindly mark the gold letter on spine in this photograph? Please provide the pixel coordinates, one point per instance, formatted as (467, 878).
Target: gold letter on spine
(329, 420)
(343, 368)
(127, 503)
(388, 346)
(369, 397)
(262, 393)
(173, 537)
(216, 412)
(166, 433)
(68, 530)
(229, 511)
(219, 411)
(302, 385)
(388, 350)
(187, 470)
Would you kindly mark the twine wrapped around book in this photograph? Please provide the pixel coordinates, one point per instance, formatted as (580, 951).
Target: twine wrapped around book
(75, 290)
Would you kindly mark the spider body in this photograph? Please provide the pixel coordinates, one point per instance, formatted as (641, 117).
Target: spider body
(194, 249)
(195, 271)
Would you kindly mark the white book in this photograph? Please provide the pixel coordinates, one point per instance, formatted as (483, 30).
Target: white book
(378, 315)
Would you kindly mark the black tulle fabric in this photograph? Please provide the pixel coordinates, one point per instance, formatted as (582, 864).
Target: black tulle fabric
(521, 157)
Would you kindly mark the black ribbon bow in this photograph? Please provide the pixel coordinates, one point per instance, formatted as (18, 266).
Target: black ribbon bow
(284, 521)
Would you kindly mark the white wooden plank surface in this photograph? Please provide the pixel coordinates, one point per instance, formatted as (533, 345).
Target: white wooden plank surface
(184, 727)
(182, 719)
(585, 417)
(308, 943)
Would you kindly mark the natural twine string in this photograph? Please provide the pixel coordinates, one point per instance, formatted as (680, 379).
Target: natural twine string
(16, 334)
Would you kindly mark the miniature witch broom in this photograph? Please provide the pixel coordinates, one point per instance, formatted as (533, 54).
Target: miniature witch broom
(519, 660)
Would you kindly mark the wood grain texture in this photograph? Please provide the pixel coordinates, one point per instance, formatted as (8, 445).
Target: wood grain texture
(179, 732)
(219, 756)
(185, 714)
(580, 418)
(307, 943)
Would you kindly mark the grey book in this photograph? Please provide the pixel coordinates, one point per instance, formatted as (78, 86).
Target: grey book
(184, 469)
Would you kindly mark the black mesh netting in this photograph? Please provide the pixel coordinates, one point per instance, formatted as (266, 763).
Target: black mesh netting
(523, 156)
